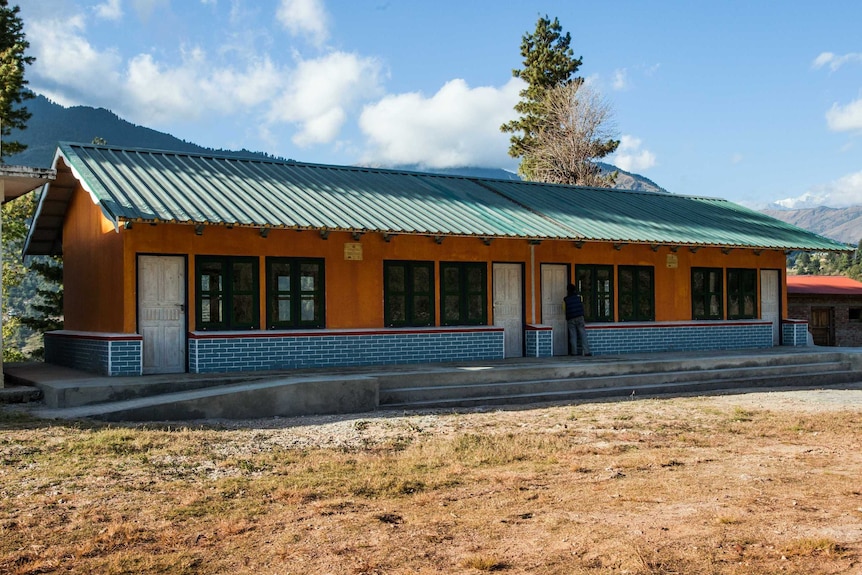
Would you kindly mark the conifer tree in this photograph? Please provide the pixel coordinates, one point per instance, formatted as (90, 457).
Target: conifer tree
(549, 64)
(13, 91)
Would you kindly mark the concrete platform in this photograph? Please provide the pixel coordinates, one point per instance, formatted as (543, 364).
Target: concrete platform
(68, 393)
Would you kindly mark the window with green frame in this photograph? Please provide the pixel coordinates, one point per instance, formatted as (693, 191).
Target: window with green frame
(227, 294)
(741, 293)
(636, 293)
(408, 293)
(707, 293)
(463, 293)
(295, 295)
(596, 286)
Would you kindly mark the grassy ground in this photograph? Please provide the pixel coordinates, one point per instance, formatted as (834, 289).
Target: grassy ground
(754, 484)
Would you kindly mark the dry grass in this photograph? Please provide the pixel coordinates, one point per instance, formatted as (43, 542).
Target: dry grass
(723, 485)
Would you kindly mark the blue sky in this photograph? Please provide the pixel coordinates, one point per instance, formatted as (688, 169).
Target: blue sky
(753, 101)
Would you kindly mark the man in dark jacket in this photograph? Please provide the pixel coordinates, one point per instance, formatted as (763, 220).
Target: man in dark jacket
(575, 320)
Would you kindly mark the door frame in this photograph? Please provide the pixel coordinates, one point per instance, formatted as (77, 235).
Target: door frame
(186, 292)
(523, 312)
(776, 327)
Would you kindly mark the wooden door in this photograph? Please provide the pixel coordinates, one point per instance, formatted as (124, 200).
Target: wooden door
(161, 313)
(821, 325)
(509, 306)
(770, 301)
(555, 278)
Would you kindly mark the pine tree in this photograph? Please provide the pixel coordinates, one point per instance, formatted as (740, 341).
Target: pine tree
(549, 64)
(13, 92)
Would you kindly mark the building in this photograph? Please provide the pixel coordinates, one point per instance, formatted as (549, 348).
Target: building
(830, 305)
(16, 181)
(179, 262)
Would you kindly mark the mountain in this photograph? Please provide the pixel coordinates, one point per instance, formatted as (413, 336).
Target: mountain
(51, 123)
(842, 224)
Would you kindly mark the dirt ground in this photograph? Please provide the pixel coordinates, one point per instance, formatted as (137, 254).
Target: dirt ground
(759, 482)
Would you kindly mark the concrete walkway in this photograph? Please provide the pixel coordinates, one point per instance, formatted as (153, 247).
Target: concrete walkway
(71, 393)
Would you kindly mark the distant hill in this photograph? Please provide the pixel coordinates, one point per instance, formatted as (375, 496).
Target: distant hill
(51, 123)
(842, 224)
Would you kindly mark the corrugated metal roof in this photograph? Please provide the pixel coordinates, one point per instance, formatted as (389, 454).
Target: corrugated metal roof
(160, 186)
(823, 285)
(657, 218)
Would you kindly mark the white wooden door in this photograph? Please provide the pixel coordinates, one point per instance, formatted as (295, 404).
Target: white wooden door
(508, 307)
(554, 282)
(770, 302)
(161, 313)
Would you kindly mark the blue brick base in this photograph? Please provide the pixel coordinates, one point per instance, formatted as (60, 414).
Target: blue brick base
(211, 352)
(794, 333)
(102, 353)
(678, 336)
(539, 341)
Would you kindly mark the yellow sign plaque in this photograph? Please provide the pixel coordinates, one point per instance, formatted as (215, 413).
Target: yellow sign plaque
(353, 251)
(672, 260)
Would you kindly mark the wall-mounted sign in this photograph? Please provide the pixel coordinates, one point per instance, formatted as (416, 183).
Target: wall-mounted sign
(353, 251)
(672, 260)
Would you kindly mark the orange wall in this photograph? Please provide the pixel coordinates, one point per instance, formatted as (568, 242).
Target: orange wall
(101, 265)
(92, 269)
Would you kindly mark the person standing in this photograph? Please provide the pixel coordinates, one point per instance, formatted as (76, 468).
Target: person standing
(575, 321)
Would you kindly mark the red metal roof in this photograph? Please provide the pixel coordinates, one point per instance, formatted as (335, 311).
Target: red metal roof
(823, 285)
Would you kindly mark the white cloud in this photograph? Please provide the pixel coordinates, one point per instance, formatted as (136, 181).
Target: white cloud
(736, 158)
(64, 58)
(321, 91)
(833, 61)
(305, 18)
(457, 126)
(620, 79)
(630, 157)
(109, 10)
(843, 192)
(845, 118)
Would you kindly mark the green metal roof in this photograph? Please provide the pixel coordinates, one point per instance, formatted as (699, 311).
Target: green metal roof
(139, 185)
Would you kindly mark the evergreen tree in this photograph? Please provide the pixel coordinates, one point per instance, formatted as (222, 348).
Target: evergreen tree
(13, 92)
(549, 64)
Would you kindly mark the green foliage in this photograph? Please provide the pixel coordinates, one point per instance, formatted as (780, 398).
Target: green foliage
(12, 83)
(549, 64)
(827, 264)
(32, 295)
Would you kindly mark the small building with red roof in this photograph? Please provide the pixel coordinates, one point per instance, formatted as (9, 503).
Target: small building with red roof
(832, 306)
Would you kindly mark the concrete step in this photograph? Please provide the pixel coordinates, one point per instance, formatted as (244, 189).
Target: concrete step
(419, 391)
(571, 368)
(527, 396)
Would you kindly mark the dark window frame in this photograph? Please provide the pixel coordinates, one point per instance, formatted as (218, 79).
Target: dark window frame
(411, 295)
(741, 283)
(704, 296)
(638, 301)
(295, 294)
(228, 293)
(598, 299)
(463, 293)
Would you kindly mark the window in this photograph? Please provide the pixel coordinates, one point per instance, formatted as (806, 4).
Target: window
(596, 286)
(706, 293)
(855, 314)
(294, 293)
(463, 293)
(637, 293)
(741, 294)
(408, 293)
(227, 293)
